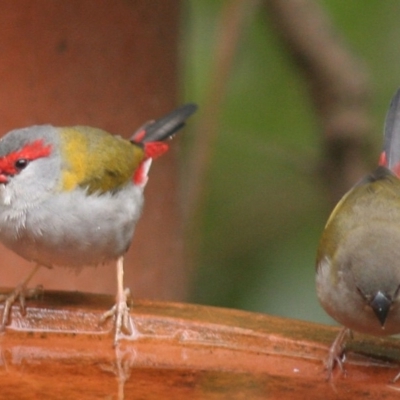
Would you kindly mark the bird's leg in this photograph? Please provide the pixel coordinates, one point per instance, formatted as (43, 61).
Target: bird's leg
(336, 352)
(19, 292)
(123, 323)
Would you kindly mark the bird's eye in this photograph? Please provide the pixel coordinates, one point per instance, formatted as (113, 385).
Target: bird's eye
(21, 163)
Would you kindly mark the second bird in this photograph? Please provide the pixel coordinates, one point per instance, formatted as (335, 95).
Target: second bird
(358, 259)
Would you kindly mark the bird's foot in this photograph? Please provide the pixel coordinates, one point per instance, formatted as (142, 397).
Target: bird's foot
(20, 293)
(336, 353)
(123, 324)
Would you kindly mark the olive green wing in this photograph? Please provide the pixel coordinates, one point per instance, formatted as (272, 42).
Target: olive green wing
(96, 160)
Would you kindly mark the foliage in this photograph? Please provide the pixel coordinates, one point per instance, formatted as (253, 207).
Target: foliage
(265, 207)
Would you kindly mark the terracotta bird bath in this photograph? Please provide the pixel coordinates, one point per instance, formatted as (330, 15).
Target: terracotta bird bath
(58, 350)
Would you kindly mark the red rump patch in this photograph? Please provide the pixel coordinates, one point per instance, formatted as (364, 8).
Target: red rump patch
(396, 170)
(382, 159)
(29, 152)
(139, 175)
(151, 150)
(155, 149)
(383, 162)
(138, 137)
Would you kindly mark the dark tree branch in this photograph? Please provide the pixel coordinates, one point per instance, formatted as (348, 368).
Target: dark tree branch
(232, 22)
(338, 86)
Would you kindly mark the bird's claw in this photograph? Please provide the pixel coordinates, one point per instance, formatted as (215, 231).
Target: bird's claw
(336, 353)
(123, 324)
(21, 293)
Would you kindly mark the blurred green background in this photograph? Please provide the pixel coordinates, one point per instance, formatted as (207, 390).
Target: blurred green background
(264, 212)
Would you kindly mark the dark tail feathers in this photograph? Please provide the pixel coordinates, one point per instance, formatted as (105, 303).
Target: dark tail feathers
(165, 127)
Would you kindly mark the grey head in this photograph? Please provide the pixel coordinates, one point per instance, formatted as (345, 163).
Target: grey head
(29, 165)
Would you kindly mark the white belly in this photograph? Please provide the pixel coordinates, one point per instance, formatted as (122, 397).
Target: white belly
(73, 229)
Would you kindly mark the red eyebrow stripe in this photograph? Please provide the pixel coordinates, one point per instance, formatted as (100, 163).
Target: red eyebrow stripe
(31, 151)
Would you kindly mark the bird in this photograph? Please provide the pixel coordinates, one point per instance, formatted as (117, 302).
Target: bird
(72, 196)
(358, 256)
